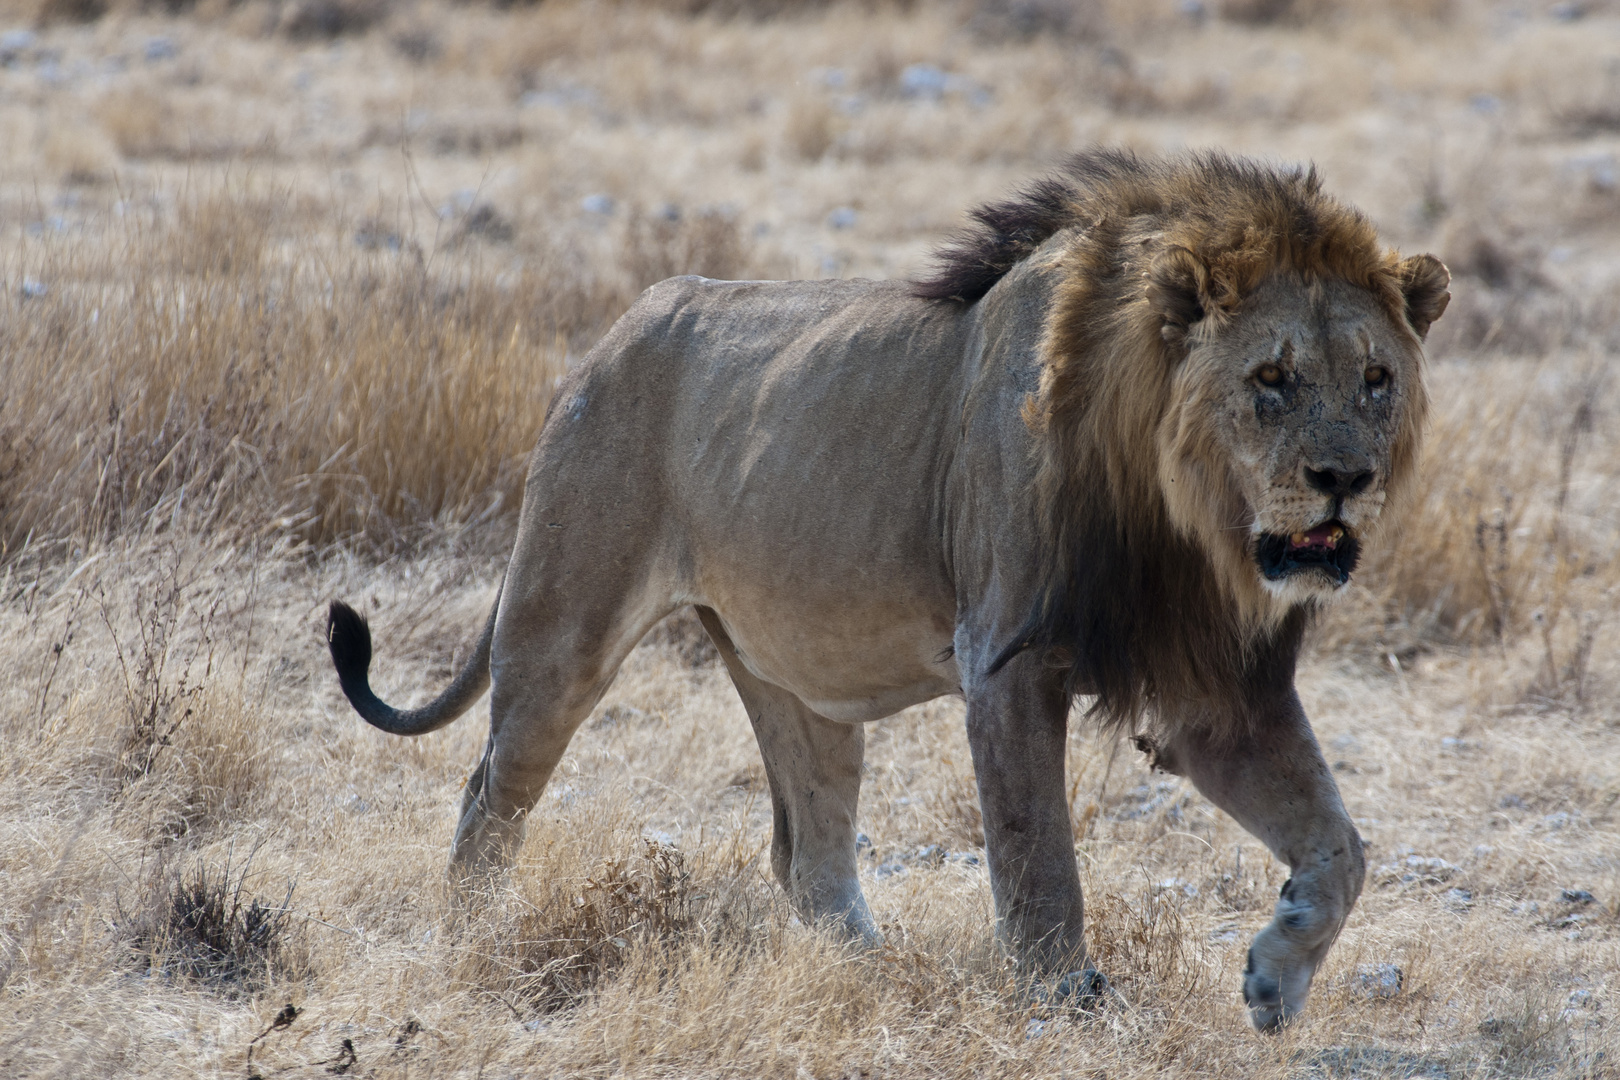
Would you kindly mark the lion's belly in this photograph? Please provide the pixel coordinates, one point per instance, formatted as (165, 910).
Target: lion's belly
(859, 667)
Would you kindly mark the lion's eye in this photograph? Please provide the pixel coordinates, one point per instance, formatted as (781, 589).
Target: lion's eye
(1269, 375)
(1376, 376)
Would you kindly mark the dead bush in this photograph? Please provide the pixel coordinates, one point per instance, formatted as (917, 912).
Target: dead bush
(199, 924)
(473, 136)
(1309, 13)
(1143, 943)
(1124, 87)
(419, 44)
(744, 9)
(484, 222)
(141, 124)
(314, 20)
(1501, 300)
(1022, 20)
(811, 129)
(71, 11)
(670, 242)
(1586, 103)
(164, 664)
(1269, 12)
(559, 948)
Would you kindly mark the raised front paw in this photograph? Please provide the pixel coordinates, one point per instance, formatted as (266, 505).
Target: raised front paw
(1263, 995)
(1277, 979)
(1285, 955)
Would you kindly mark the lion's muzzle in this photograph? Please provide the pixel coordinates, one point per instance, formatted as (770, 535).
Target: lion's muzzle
(1330, 549)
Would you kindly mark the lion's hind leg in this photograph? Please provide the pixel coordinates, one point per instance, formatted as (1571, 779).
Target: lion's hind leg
(469, 824)
(813, 766)
(550, 665)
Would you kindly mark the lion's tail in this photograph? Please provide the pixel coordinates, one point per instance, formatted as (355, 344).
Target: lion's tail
(349, 637)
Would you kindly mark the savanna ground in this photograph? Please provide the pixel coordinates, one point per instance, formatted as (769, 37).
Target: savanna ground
(284, 288)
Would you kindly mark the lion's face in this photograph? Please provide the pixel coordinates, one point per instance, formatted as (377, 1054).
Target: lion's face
(1292, 421)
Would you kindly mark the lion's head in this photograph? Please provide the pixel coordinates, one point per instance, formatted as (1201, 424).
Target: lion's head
(1230, 406)
(1291, 425)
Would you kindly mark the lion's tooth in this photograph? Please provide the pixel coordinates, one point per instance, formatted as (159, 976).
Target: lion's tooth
(1298, 539)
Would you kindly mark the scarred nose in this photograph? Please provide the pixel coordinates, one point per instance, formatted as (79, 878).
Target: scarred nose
(1339, 483)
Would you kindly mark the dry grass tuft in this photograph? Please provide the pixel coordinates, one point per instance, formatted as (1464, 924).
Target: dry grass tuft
(80, 156)
(554, 950)
(1144, 944)
(71, 11)
(660, 245)
(309, 20)
(811, 129)
(197, 924)
(142, 123)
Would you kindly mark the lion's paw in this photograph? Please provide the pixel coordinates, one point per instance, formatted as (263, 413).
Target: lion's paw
(1086, 991)
(1263, 995)
(1274, 992)
(1083, 988)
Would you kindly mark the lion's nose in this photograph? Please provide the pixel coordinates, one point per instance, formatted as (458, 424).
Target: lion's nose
(1339, 483)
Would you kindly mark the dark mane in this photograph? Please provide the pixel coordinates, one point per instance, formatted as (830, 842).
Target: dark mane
(1009, 231)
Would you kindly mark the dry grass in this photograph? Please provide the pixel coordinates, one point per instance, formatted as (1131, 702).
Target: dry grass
(305, 390)
(284, 290)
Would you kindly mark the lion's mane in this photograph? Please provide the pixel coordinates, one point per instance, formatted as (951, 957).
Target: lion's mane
(1142, 614)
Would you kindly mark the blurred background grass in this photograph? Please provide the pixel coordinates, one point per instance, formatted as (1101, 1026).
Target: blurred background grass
(314, 267)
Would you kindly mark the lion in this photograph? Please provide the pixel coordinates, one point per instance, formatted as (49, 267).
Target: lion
(1134, 432)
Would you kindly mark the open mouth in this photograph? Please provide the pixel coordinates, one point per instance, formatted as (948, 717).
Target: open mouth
(1328, 548)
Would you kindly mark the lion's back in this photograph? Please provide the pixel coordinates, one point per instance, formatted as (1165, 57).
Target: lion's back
(818, 368)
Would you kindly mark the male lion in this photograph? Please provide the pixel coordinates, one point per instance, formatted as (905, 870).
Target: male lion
(1123, 444)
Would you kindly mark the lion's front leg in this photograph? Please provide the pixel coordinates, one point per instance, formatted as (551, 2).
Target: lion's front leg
(1273, 781)
(1016, 724)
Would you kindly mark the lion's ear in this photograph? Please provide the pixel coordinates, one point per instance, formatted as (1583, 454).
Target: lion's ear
(1178, 292)
(1423, 280)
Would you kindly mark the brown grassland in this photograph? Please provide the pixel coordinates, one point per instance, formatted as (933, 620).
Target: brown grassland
(284, 288)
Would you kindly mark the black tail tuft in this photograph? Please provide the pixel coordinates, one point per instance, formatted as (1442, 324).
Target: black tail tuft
(349, 638)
